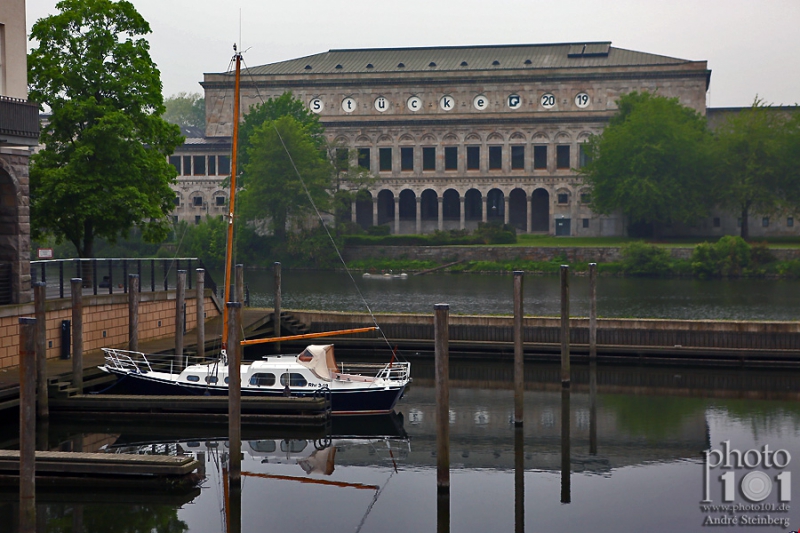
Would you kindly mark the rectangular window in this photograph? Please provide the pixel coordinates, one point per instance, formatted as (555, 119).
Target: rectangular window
(517, 158)
(790, 222)
(495, 158)
(187, 165)
(363, 158)
(212, 165)
(174, 219)
(219, 200)
(562, 156)
(451, 157)
(585, 222)
(473, 157)
(429, 158)
(407, 158)
(583, 156)
(765, 222)
(175, 161)
(197, 220)
(197, 201)
(199, 165)
(385, 156)
(586, 198)
(716, 222)
(563, 198)
(342, 159)
(177, 200)
(540, 157)
(224, 165)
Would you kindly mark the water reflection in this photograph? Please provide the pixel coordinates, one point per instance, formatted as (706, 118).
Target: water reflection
(566, 469)
(492, 294)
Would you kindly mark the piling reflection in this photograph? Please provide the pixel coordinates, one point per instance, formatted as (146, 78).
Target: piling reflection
(566, 491)
(593, 407)
(443, 511)
(519, 480)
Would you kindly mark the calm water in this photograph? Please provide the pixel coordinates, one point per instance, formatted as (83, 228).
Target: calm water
(492, 294)
(631, 463)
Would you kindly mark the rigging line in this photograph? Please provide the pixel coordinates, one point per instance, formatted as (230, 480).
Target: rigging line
(322, 221)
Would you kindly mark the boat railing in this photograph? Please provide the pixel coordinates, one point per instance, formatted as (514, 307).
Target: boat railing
(395, 371)
(127, 361)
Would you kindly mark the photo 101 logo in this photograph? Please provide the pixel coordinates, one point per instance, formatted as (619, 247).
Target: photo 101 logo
(745, 471)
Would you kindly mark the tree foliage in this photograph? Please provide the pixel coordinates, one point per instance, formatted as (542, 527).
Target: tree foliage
(651, 162)
(272, 187)
(187, 110)
(755, 159)
(103, 169)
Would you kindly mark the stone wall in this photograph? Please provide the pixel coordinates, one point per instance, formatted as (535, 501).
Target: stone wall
(105, 321)
(15, 227)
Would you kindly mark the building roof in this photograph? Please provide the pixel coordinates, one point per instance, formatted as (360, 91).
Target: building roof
(464, 58)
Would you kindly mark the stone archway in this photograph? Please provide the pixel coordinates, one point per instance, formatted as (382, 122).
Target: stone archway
(429, 205)
(473, 207)
(495, 206)
(451, 205)
(15, 244)
(408, 205)
(385, 206)
(364, 208)
(518, 210)
(540, 211)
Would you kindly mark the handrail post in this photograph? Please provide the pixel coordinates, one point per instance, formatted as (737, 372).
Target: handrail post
(110, 276)
(133, 312)
(61, 279)
(152, 275)
(124, 275)
(94, 277)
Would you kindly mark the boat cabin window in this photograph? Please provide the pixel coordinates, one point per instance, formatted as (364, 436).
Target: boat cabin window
(262, 379)
(193, 378)
(293, 446)
(294, 380)
(211, 379)
(265, 446)
(226, 380)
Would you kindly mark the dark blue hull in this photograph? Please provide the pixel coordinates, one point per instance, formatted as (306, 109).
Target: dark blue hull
(357, 402)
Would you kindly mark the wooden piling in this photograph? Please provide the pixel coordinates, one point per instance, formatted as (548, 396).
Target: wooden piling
(234, 393)
(133, 312)
(565, 380)
(519, 480)
(201, 312)
(593, 407)
(76, 287)
(566, 491)
(519, 365)
(592, 310)
(277, 303)
(239, 277)
(27, 425)
(42, 401)
(442, 355)
(180, 299)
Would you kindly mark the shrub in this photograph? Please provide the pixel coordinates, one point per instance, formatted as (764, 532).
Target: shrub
(641, 259)
(760, 254)
(730, 256)
(379, 230)
(495, 233)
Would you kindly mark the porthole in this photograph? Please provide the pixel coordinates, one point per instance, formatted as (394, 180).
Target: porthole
(193, 379)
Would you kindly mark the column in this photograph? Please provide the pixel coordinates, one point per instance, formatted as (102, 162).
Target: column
(353, 212)
(397, 215)
(529, 218)
(440, 203)
(419, 215)
(462, 215)
(507, 202)
(485, 202)
(374, 210)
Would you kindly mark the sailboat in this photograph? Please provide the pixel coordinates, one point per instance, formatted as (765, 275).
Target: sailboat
(356, 389)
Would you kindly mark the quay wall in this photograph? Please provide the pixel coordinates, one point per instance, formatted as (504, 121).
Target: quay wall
(673, 334)
(446, 254)
(105, 321)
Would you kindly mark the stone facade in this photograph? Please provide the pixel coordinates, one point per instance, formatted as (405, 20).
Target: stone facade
(461, 135)
(15, 228)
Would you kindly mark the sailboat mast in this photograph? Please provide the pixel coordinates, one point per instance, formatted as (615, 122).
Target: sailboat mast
(232, 196)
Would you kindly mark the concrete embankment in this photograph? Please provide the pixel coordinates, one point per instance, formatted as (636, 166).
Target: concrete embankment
(654, 341)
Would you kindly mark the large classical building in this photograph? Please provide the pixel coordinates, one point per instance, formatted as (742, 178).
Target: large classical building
(455, 135)
(19, 133)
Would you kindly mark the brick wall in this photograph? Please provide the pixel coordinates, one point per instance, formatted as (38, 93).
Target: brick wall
(105, 321)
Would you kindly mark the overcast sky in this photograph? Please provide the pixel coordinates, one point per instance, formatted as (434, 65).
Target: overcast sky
(751, 45)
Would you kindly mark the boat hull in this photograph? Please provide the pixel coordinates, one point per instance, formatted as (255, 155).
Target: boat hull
(343, 402)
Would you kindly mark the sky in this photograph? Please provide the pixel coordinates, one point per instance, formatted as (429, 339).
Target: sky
(751, 45)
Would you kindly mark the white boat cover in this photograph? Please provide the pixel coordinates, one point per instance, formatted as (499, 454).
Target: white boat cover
(319, 359)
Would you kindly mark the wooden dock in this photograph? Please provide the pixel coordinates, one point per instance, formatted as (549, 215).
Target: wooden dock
(100, 464)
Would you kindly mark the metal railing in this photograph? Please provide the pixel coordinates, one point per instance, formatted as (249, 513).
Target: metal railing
(110, 275)
(19, 118)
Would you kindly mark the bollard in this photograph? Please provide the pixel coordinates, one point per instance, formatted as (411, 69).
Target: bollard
(201, 313)
(277, 304)
(234, 394)
(519, 480)
(77, 333)
(566, 492)
(593, 407)
(442, 355)
(519, 364)
(42, 401)
(565, 325)
(592, 310)
(133, 312)
(180, 299)
(27, 425)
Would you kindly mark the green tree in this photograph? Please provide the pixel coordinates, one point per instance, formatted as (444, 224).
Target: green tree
(104, 168)
(755, 160)
(186, 110)
(650, 162)
(272, 188)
